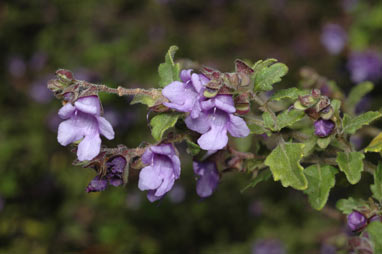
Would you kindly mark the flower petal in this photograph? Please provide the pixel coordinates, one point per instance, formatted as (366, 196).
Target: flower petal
(225, 103)
(149, 178)
(147, 157)
(151, 196)
(237, 127)
(175, 92)
(105, 127)
(68, 132)
(215, 139)
(89, 104)
(89, 147)
(200, 124)
(66, 111)
(164, 149)
(185, 75)
(196, 82)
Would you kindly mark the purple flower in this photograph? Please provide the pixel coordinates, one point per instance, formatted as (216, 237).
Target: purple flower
(96, 185)
(323, 128)
(83, 121)
(162, 171)
(215, 120)
(356, 221)
(270, 246)
(209, 178)
(185, 96)
(365, 66)
(333, 37)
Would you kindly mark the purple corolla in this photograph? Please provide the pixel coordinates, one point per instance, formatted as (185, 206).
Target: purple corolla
(209, 178)
(163, 169)
(356, 221)
(84, 121)
(323, 128)
(210, 117)
(333, 37)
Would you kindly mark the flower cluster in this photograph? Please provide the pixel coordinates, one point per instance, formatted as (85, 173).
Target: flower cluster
(211, 117)
(83, 121)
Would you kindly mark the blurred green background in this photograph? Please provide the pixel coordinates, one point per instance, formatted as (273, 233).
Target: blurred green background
(43, 204)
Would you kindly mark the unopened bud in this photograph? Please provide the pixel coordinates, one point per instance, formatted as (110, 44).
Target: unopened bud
(65, 76)
(56, 86)
(307, 100)
(327, 113)
(322, 103)
(356, 221)
(316, 93)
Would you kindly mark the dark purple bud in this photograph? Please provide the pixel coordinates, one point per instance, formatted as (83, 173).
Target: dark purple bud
(97, 185)
(116, 164)
(323, 128)
(356, 221)
(65, 76)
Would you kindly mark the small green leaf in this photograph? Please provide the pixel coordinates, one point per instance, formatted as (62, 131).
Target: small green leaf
(288, 118)
(336, 105)
(290, 93)
(320, 180)
(357, 93)
(347, 206)
(261, 177)
(351, 125)
(268, 75)
(243, 144)
(309, 145)
(162, 122)
(192, 148)
(149, 100)
(169, 70)
(269, 123)
(376, 188)
(351, 163)
(324, 142)
(284, 162)
(375, 145)
(375, 231)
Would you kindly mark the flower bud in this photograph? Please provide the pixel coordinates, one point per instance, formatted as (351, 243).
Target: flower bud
(242, 104)
(324, 102)
(56, 86)
(307, 100)
(327, 113)
(323, 128)
(96, 185)
(316, 93)
(356, 221)
(65, 76)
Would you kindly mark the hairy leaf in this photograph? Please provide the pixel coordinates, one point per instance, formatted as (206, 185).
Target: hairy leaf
(376, 188)
(288, 118)
(268, 75)
(284, 162)
(375, 145)
(324, 142)
(347, 206)
(351, 163)
(169, 70)
(162, 122)
(351, 125)
(320, 180)
(375, 231)
(289, 93)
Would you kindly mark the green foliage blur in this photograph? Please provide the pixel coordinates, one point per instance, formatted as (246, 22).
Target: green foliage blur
(43, 203)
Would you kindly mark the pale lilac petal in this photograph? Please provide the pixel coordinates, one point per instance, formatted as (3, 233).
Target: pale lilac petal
(66, 111)
(209, 178)
(185, 75)
(148, 178)
(89, 147)
(200, 124)
(105, 128)
(225, 103)
(68, 132)
(167, 175)
(176, 165)
(147, 157)
(151, 196)
(196, 82)
(90, 105)
(175, 92)
(195, 112)
(164, 149)
(215, 139)
(208, 104)
(237, 127)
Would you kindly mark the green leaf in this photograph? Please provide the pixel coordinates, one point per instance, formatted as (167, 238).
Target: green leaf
(375, 231)
(357, 93)
(320, 180)
(267, 75)
(336, 104)
(149, 100)
(288, 118)
(309, 145)
(192, 148)
(290, 93)
(284, 162)
(351, 125)
(376, 188)
(169, 70)
(162, 122)
(261, 177)
(269, 123)
(375, 145)
(347, 206)
(257, 128)
(351, 163)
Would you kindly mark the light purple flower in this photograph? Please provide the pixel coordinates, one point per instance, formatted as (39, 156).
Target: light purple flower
(163, 169)
(333, 37)
(365, 66)
(84, 121)
(323, 128)
(215, 121)
(185, 96)
(209, 178)
(356, 221)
